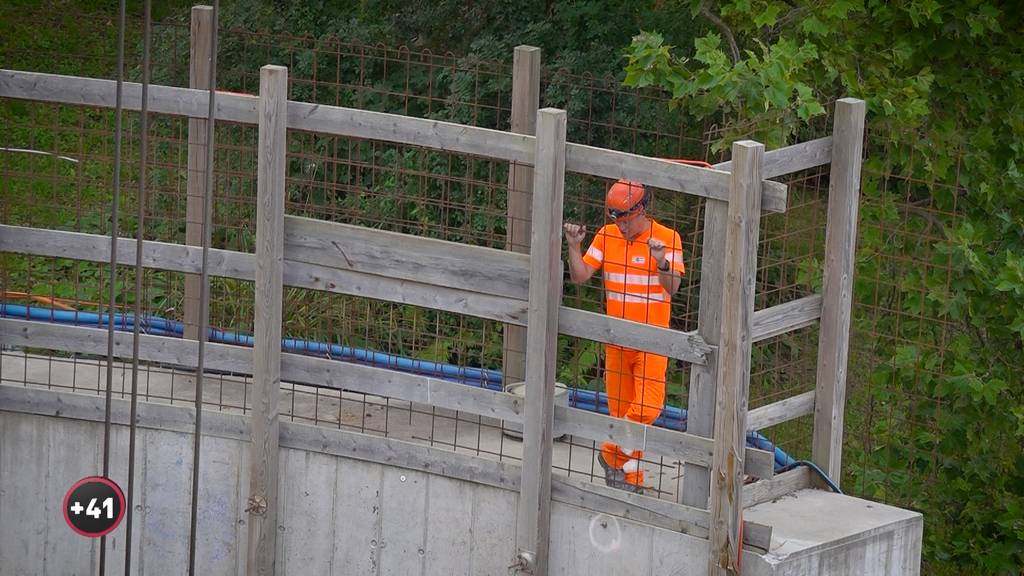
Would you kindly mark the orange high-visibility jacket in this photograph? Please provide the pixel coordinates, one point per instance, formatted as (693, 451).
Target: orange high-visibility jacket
(632, 290)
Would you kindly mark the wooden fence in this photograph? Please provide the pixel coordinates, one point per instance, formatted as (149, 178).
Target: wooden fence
(521, 290)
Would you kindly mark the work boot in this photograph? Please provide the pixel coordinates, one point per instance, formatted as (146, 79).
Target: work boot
(616, 478)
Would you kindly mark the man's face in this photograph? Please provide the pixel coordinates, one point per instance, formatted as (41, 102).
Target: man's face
(630, 223)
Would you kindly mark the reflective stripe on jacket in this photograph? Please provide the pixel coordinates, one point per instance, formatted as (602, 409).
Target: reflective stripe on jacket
(632, 290)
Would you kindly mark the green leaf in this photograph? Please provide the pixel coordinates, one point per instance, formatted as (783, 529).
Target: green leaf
(768, 16)
(814, 26)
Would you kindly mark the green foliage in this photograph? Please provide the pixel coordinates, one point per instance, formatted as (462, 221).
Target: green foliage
(943, 84)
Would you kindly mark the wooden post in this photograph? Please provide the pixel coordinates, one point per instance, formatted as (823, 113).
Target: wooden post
(840, 254)
(534, 514)
(200, 57)
(700, 419)
(525, 102)
(734, 356)
(263, 454)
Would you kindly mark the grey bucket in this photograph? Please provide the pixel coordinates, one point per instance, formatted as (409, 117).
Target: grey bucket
(515, 429)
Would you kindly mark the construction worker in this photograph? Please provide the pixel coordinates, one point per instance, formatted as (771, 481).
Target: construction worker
(643, 266)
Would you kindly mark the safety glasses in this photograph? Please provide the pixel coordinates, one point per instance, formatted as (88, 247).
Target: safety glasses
(623, 215)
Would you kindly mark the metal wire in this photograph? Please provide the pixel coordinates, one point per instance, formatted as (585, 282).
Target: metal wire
(118, 110)
(139, 273)
(204, 291)
(440, 195)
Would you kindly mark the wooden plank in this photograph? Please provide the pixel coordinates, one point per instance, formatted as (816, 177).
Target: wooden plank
(534, 513)
(80, 91)
(734, 357)
(652, 511)
(795, 158)
(200, 59)
(270, 193)
(226, 263)
(781, 411)
(434, 134)
(408, 257)
(86, 340)
(349, 122)
(178, 258)
(91, 408)
(757, 537)
(402, 291)
(525, 103)
(785, 318)
(661, 441)
(704, 378)
(768, 489)
(96, 248)
(357, 518)
(448, 512)
(296, 368)
(688, 346)
(709, 183)
(308, 482)
(400, 385)
(404, 510)
(837, 288)
(327, 373)
(241, 108)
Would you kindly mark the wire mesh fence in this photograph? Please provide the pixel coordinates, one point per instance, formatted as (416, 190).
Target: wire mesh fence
(63, 181)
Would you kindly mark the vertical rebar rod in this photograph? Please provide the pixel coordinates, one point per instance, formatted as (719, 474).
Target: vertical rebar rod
(204, 288)
(114, 203)
(139, 238)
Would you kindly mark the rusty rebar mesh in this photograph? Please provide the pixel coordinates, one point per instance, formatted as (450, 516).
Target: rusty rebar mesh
(459, 198)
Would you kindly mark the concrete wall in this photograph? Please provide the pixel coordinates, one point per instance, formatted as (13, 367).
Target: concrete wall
(338, 515)
(357, 504)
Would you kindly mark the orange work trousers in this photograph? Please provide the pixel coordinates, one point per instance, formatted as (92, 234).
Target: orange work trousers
(635, 383)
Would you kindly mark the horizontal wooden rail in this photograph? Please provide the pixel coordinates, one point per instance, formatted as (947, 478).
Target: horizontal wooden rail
(666, 174)
(769, 489)
(636, 436)
(353, 123)
(795, 158)
(326, 373)
(79, 91)
(380, 450)
(434, 134)
(781, 411)
(356, 277)
(426, 260)
(686, 346)
(786, 317)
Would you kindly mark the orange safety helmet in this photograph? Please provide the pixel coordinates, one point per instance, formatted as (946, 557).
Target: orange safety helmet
(624, 197)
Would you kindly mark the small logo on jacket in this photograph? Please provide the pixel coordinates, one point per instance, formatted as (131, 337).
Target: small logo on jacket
(639, 259)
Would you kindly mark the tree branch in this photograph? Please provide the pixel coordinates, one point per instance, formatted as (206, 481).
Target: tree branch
(733, 48)
(789, 17)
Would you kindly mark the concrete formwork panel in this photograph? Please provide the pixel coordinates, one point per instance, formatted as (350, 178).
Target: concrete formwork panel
(337, 516)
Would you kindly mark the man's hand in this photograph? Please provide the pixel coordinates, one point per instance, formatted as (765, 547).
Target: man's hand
(657, 248)
(574, 233)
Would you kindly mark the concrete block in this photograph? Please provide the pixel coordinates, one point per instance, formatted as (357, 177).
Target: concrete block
(827, 534)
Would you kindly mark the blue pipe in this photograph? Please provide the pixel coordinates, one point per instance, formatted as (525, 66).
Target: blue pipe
(163, 327)
(672, 417)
